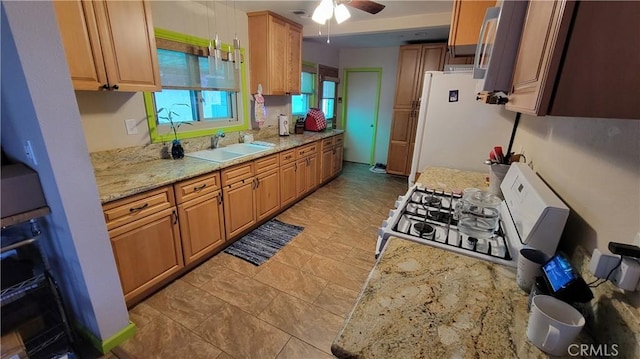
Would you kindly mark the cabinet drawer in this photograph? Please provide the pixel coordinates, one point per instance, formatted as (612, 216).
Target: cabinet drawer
(338, 140)
(287, 156)
(196, 187)
(307, 150)
(138, 206)
(267, 163)
(327, 142)
(237, 173)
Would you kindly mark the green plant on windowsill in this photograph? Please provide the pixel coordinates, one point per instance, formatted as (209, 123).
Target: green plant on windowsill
(176, 148)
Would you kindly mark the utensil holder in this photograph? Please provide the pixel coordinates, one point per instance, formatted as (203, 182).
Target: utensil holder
(496, 175)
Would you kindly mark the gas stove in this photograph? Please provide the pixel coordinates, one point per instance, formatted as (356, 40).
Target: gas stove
(530, 215)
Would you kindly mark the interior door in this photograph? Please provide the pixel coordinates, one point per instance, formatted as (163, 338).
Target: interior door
(361, 114)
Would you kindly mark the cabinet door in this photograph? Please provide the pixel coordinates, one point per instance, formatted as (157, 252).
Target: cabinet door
(294, 60)
(432, 59)
(337, 160)
(288, 191)
(312, 173)
(326, 163)
(545, 30)
(466, 21)
(147, 251)
(128, 43)
(301, 177)
(201, 226)
(399, 143)
(277, 72)
(79, 33)
(408, 70)
(268, 193)
(239, 207)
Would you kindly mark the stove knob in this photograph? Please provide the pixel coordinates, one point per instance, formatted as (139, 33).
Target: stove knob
(391, 213)
(385, 223)
(399, 201)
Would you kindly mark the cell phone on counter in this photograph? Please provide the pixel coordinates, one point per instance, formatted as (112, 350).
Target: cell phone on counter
(564, 282)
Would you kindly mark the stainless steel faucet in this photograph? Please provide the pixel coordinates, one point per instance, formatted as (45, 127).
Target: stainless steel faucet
(216, 139)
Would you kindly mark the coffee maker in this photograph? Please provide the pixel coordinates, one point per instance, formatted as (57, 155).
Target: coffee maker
(283, 125)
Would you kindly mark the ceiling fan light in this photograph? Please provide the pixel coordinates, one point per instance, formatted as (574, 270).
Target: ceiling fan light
(318, 16)
(342, 13)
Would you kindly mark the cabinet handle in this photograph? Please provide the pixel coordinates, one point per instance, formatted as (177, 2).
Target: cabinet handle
(220, 199)
(105, 86)
(116, 87)
(137, 209)
(257, 183)
(295, 167)
(199, 188)
(175, 217)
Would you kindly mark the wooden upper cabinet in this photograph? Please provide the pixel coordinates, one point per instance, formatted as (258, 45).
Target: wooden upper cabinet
(578, 59)
(408, 70)
(110, 45)
(466, 21)
(275, 53)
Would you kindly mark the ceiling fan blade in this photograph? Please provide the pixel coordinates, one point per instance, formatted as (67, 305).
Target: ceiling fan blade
(371, 7)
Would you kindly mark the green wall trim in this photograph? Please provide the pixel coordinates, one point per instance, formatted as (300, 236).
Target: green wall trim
(104, 346)
(150, 107)
(345, 76)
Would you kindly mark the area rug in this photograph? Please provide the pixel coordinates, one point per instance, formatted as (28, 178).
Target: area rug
(263, 242)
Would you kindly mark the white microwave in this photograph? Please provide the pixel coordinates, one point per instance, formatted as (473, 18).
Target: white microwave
(498, 45)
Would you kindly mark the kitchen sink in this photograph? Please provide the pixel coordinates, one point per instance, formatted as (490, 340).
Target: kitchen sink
(228, 153)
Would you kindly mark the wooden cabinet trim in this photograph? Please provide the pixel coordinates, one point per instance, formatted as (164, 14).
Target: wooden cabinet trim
(267, 163)
(237, 173)
(287, 157)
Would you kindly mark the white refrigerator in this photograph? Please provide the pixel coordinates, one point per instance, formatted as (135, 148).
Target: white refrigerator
(454, 130)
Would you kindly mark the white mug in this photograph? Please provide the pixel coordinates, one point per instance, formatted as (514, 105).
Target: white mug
(553, 324)
(530, 262)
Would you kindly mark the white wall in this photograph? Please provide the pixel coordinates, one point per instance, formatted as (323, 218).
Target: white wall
(38, 105)
(322, 54)
(103, 114)
(594, 166)
(387, 59)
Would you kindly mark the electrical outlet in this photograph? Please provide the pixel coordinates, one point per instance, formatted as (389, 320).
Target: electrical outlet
(29, 152)
(132, 128)
(627, 275)
(602, 264)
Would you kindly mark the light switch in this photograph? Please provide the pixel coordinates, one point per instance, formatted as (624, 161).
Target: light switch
(132, 128)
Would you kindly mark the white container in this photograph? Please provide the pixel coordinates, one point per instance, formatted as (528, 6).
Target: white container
(478, 213)
(283, 125)
(496, 175)
(553, 324)
(530, 263)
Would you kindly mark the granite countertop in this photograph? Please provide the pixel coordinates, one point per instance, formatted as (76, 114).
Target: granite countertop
(425, 302)
(116, 180)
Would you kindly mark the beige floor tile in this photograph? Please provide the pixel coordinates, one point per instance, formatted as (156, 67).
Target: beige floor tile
(164, 338)
(297, 349)
(336, 299)
(184, 303)
(291, 280)
(363, 239)
(333, 250)
(202, 273)
(293, 256)
(224, 355)
(361, 258)
(235, 264)
(241, 291)
(242, 335)
(340, 273)
(305, 321)
(142, 314)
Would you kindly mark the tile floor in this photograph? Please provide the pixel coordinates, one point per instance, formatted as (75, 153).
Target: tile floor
(290, 307)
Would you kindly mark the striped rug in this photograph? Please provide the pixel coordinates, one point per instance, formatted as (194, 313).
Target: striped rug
(263, 242)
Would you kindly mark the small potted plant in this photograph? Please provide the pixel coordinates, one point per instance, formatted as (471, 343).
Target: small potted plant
(176, 148)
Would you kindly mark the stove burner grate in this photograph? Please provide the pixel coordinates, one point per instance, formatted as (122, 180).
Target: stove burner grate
(425, 230)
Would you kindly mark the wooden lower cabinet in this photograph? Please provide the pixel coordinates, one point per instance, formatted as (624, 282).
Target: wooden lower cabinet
(239, 207)
(337, 160)
(326, 164)
(288, 188)
(147, 251)
(201, 226)
(267, 193)
(311, 173)
(301, 177)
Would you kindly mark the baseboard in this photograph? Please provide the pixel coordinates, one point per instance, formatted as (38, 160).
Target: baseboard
(104, 346)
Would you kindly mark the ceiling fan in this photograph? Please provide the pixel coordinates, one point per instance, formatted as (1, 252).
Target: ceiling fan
(328, 8)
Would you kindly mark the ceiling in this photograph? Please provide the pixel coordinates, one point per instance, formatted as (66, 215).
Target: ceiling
(363, 29)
